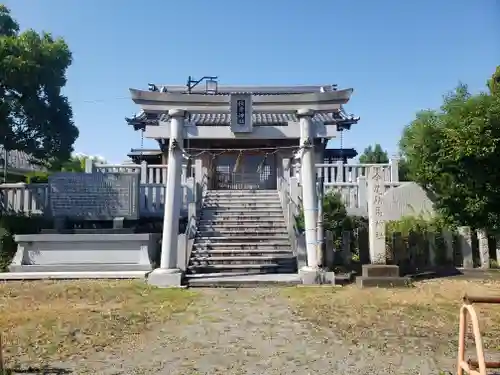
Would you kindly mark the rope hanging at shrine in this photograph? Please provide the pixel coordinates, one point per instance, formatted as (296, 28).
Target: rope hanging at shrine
(237, 165)
(262, 164)
(189, 155)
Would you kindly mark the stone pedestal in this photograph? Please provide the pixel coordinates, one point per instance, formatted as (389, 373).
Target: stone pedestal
(165, 278)
(381, 275)
(315, 276)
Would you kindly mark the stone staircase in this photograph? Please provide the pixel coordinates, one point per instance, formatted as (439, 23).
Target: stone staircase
(241, 232)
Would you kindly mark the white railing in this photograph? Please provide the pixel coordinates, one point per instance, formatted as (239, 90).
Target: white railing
(32, 199)
(23, 198)
(355, 194)
(340, 172)
(150, 174)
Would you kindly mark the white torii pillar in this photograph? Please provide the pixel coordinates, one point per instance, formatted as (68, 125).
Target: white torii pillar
(169, 275)
(309, 196)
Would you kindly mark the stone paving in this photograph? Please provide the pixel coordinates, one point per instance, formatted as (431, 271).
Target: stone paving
(253, 331)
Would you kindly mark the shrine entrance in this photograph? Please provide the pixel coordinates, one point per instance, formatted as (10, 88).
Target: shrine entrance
(245, 171)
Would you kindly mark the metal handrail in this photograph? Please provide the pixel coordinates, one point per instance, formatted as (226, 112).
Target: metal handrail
(471, 366)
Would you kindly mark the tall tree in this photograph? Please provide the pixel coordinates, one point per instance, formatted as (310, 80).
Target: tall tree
(374, 155)
(454, 152)
(494, 82)
(34, 115)
(77, 162)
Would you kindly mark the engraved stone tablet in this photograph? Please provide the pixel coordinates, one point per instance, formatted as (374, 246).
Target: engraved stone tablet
(94, 196)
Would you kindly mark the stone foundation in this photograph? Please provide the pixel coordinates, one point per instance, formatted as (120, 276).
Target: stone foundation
(381, 275)
(85, 252)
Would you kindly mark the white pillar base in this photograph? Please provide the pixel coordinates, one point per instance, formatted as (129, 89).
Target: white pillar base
(315, 275)
(165, 278)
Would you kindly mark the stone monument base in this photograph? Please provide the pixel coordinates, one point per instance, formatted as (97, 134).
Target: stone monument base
(312, 276)
(165, 278)
(85, 252)
(381, 275)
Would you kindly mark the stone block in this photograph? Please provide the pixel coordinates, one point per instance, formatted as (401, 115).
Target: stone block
(310, 276)
(165, 278)
(383, 282)
(409, 199)
(380, 270)
(85, 252)
(94, 196)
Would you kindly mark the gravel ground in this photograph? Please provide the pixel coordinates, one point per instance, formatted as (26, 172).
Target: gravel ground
(252, 331)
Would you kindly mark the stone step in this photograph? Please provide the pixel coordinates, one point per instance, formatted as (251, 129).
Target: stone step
(232, 267)
(242, 280)
(229, 223)
(260, 259)
(246, 239)
(242, 252)
(244, 192)
(255, 229)
(255, 223)
(241, 199)
(242, 216)
(243, 196)
(239, 208)
(243, 233)
(271, 245)
(242, 204)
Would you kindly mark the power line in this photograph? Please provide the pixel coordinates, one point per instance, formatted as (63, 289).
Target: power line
(95, 101)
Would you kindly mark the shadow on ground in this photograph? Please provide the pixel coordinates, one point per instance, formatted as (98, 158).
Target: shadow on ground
(37, 371)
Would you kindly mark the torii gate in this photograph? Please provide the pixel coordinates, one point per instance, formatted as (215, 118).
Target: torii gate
(241, 106)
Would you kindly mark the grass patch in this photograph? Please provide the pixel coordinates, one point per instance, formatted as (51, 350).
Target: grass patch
(66, 320)
(425, 316)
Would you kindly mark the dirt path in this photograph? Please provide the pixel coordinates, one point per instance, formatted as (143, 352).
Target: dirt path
(253, 331)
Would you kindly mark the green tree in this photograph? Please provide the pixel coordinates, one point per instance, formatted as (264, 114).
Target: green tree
(454, 153)
(77, 162)
(374, 155)
(494, 82)
(34, 115)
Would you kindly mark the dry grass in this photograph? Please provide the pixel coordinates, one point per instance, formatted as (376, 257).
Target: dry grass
(424, 317)
(49, 321)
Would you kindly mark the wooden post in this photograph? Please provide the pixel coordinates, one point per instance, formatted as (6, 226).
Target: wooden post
(346, 247)
(431, 241)
(398, 248)
(448, 241)
(484, 251)
(329, 250)
(465, 243)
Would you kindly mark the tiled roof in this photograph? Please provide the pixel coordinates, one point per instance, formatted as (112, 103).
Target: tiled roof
(18, 160)
(259, 119)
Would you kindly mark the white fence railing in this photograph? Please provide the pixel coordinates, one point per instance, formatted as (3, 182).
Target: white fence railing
(150, 174)
(347, 179)
(340, 172)
(32, 199)
(355, 194)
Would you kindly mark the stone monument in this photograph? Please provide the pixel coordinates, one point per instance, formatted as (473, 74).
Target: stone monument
(89, 238)
(378, 273)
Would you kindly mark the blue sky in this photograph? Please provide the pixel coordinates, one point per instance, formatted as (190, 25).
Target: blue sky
(399, 56)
